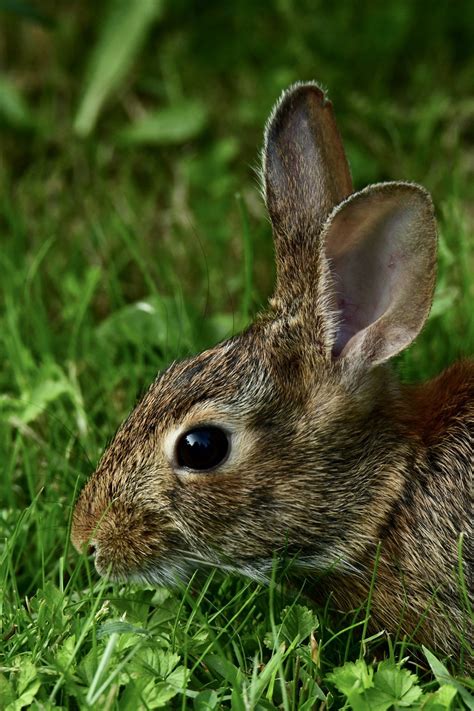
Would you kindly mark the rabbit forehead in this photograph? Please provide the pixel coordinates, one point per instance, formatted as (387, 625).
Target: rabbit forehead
(251, 383)
(234, 378)
(234, 371)
(238, 377)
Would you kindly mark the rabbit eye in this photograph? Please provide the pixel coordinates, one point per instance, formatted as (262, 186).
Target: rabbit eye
(202, 448)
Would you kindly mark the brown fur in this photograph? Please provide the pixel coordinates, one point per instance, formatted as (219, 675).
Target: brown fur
(418, 583)
(330, 455)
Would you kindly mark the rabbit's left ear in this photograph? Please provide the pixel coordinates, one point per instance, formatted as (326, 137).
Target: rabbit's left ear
(305, 175)
(305, 169)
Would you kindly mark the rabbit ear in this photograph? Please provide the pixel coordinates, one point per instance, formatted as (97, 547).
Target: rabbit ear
(381, 247)
(306, 175)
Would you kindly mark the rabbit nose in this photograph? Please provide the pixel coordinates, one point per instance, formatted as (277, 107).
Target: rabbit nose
(92, 550)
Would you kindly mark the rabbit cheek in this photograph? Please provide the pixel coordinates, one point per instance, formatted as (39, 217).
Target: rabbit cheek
(220, 513)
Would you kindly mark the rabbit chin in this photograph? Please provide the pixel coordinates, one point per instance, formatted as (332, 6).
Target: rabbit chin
(178, 570)
(173, 573)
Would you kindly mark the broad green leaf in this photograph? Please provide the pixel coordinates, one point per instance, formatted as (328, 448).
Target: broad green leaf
(149, 323)
(49, 604)
(64, 653)
(156, 662)
(7, 694)
(136, 605)
(160, 596)
(26, 682)
(353, 676)
(444, 299)
(175, 124)
(298, 621)
(157, 694)
(26, 698)
(225, 669)
(48, 385)
(27, 673)
(390, 687)
(13, 109)
(177, 677)
(127, 641)
(41, 396)
(164, 662)
(444, 677)
(206, 700)
(440, 700)
(122, 35)
(164, 614)
(130, 699)
(88, 666)
(398, 685)
(368, 701)
(355, 681)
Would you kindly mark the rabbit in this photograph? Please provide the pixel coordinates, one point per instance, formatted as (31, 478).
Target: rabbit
(295, 437)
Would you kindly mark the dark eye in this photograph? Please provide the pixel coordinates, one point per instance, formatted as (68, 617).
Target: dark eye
(202, 448)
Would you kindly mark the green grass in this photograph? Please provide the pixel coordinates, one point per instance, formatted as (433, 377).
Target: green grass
(124, 246)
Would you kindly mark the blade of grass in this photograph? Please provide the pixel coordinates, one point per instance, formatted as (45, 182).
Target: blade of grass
(122, 35)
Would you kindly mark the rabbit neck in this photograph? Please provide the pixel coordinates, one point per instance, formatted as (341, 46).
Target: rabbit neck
(434, 411)
(431, 504)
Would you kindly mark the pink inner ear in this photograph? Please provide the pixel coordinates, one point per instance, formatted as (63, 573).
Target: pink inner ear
(367, 264)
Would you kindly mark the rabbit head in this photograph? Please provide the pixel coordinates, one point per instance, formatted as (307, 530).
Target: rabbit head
(278, 439)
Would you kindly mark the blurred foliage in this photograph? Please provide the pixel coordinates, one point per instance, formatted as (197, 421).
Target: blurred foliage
(130, 137)
(120, 40)
(131, 223)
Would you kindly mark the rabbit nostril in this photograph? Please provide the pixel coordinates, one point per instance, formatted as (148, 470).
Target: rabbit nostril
(91, 549)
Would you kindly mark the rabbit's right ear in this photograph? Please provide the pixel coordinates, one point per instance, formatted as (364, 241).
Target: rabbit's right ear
(305, 175)
(381, 246)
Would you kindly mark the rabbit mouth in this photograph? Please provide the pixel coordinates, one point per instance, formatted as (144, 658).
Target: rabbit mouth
(167, 574)
(177, 569)
(153, 571)
(175, 572)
